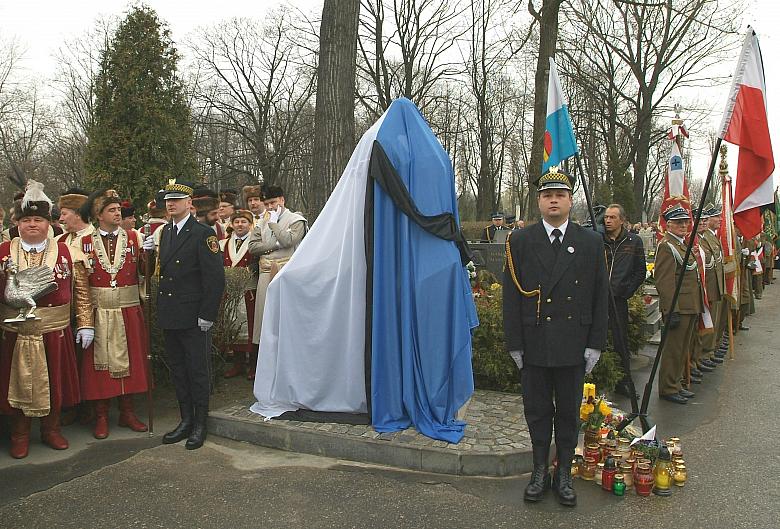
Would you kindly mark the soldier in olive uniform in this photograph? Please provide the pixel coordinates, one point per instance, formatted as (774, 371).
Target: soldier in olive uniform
(715, 282)
(192, 279)
(555, 324)
(685, 314)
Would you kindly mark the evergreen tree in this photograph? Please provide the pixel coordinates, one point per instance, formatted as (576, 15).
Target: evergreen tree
(142, 134)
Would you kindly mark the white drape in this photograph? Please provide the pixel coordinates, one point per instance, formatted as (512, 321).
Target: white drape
(312, 343)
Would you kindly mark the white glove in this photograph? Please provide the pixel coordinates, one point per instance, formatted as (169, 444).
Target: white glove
(204, 325)
(517, 356)
(85, 336)
(745, 251)
(149, 243)
(274, 215)
(591, 358)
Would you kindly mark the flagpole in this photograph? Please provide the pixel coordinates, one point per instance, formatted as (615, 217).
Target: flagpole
(621, 337)
(689, 247)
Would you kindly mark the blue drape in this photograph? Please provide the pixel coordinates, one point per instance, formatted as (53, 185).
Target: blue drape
(423, 311)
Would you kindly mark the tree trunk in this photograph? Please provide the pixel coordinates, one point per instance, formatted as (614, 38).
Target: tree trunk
(548, 37)
(644, 131)
(334, 117)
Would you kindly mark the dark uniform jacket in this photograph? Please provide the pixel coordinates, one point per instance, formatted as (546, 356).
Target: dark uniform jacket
(626, 264)
(489, 232)
(668, 266)
(192, 276)
(574, 296)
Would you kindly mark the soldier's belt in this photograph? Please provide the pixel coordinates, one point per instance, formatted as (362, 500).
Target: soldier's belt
(266, 263)
(115, 298)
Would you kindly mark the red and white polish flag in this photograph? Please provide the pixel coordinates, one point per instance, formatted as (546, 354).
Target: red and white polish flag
(745, 124)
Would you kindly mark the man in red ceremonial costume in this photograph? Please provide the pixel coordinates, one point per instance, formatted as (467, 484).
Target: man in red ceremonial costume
(38, 370)
(236, 254)
(115, 364)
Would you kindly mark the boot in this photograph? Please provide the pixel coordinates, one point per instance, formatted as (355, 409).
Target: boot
(101, 419)
(239, 365)
(50, 431)
(20, 436)
(540, 478)
(250, 372)
(198, 435)
(182, 431)
(564, 485)
(127, 417)
(69, 416)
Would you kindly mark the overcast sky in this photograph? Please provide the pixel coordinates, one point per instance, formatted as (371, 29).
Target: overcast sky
(42, 26)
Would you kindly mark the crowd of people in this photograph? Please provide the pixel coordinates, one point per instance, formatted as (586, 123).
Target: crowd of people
(72, 283)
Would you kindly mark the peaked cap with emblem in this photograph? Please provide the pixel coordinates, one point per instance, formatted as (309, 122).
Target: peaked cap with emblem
(555, 179)
(710, 210)
(676, 212)
(176, 188)
(496, 215)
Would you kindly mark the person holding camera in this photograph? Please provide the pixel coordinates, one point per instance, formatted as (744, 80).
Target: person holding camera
(683, 316)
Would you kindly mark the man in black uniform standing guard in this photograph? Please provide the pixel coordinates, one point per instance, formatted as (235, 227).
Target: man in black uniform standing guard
(555, 323)
(192, 279)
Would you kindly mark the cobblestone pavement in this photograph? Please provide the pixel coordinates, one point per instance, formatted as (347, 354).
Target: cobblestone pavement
(494, 424)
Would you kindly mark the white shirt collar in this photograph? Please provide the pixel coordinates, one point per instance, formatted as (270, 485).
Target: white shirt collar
(41, 246)
(179, 225)
(240, 238)
(549, 229)
(104, 233)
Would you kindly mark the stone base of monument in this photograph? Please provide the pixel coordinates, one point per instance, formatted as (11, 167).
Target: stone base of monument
(496, 442)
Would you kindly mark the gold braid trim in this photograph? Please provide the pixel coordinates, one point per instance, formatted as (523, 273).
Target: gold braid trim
(527, 293)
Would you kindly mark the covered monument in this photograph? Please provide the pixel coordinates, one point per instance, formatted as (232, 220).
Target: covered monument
(373, 313)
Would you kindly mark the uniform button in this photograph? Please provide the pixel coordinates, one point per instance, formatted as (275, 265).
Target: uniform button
(162, 277)
(548, 318)
(568, 298)
(169, 294)
(576, 281)
(549, 300)
(177, 261)
(568, 317)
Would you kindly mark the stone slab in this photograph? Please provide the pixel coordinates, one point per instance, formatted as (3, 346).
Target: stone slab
(496, 441)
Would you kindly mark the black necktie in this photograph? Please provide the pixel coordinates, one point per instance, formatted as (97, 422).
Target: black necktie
(556, 243)
(238, 243)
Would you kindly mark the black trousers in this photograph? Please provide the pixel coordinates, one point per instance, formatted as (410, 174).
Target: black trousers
(187, 351)
(618, 326)
(552, 396)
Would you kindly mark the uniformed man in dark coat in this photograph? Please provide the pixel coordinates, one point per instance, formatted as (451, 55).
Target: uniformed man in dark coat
(192, 279)
(496, 224)
(555, 324)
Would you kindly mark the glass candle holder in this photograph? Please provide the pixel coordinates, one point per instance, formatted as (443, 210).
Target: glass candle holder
(588, 469)
(662, 472)
(592, 450)
(608, 475)
(627, 470)
(680, 475)
(643, 480)
(599, 472)
(619, 486)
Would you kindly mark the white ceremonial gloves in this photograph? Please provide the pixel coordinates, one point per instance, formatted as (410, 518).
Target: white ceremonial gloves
(517, 356)
(85, 336)
(591, 358)
(745, 251)
(204, 325)
(149, 243)
(274, 216)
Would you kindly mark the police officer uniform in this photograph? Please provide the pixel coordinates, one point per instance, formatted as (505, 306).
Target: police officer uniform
(555, 310)
(192, 279)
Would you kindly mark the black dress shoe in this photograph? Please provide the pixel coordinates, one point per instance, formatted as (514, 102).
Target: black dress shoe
(743, 327)
(721, 353)
(705, 368)
(564, 486)
(676, 398)
(707, 363)
(715, 359)
(696, 380)
(182, 431)
(539, 484)
(696, 373)
(687, 394)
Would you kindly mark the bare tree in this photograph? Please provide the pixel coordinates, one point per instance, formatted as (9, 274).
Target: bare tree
(404, 50)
